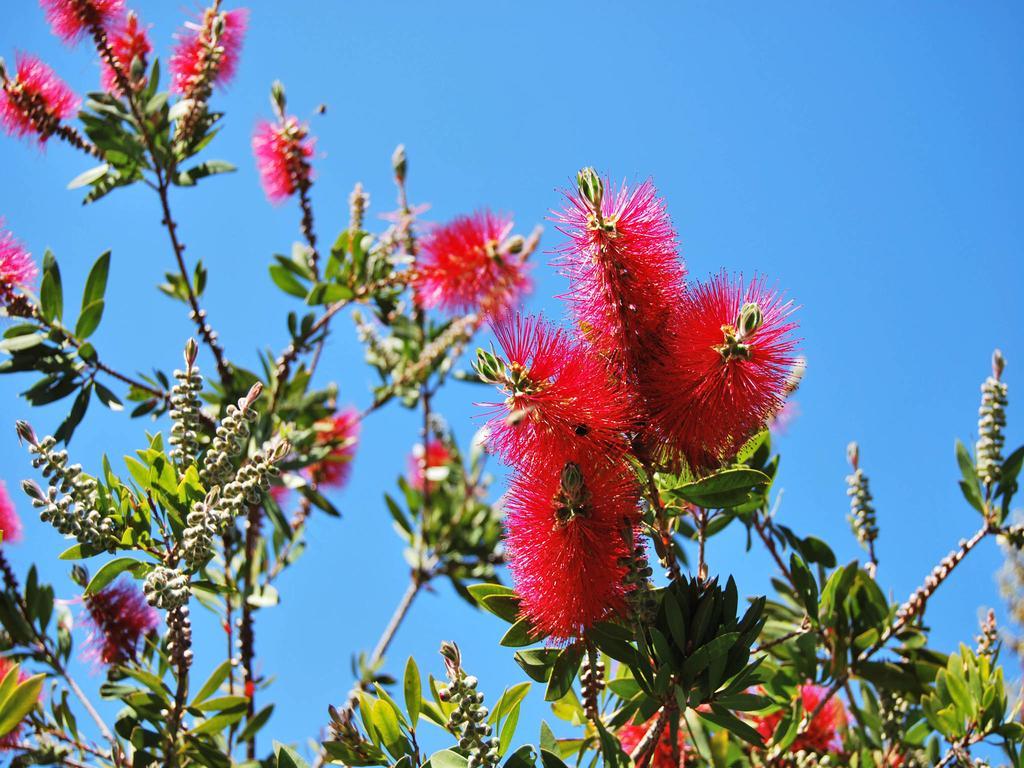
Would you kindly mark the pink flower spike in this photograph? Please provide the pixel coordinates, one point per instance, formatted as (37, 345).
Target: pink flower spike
(35, 100)
(341, 434)
(283, 152)
(435, 455)
(119, 617)
(466, 265)
(72, 19)
(625, 276)
(17, 269)
(207, 53)
(128, 41)
(10, 523)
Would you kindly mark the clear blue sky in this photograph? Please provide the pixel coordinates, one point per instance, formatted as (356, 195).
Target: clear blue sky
(867, 157)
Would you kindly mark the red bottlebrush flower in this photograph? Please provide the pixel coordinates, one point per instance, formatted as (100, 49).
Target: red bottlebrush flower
(72, 19)
(725, 370)
(207, 53)
(12, 737)
(471, 264)
(119, 617)
(631, 735)
(282, 154)
(422, 460)
(569, 529)
(35, 100)
(824, 734)
(341, 432)
(10, 523)
(128, 41)
(17, 269)
(559, 394)
(626, 279)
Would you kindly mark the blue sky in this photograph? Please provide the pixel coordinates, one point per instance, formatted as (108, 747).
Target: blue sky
(866, 157)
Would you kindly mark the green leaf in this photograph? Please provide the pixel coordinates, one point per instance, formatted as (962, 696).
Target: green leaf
(726, 719)
(500, 600)
(96, 283)
(524, 757)
(112, 570)
(86, 178)
(286, 281)
(51, 290)
(213, 682)
(704, 655)
(413, 691)
(520, 634)
(445, 758)
(726, 488)
(22, 700)
(202, 170)
(567, 664)
(255, 723)
(969, 483)
(288, 757)
(89, 320)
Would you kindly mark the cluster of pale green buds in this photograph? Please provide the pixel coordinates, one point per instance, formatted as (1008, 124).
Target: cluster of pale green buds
(185, 409)
(988, 637)
(862, 511)
(71, 503)
(637, 579)
(166, 588)
(229, 440)
(469, 718)
(991, 423)
(358, 202)
(591, 189)
(212, 515)
(592, 682)
(380, 352)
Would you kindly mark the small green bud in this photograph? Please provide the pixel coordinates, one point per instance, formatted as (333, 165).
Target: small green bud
(278, 101)
(515, 244)
(853, 454)
(80, 575)
(490, 367)
(591, 187)
(399, 162)
(572, 480)
(191, 352)
(750, 320)
(998, 364)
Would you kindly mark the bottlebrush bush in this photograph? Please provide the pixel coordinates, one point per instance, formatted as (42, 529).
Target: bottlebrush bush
(634, 433)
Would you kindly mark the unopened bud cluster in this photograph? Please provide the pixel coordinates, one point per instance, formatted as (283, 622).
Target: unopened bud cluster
(988, 637)
(166, 588)
(469, 718)
(991, 423)
(223, 503)
(229, 440)
(185, 409)
(358, 202)
(71, 503)
(638, 582)
(862, 511)
(591, 683)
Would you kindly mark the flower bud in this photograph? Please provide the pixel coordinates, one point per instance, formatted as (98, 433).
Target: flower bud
(750, 320)
(572, 480)
(489, 367)
(591, 187)
(399, 163)
(191, 352)
(998, 364)
(853, 454)
(277, 99)
(25, 432)
(515, 244)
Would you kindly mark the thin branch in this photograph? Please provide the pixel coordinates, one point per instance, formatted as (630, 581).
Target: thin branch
(416, 583)
(645, 747)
